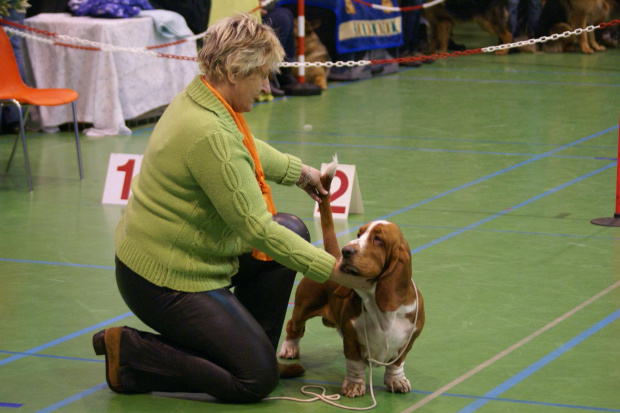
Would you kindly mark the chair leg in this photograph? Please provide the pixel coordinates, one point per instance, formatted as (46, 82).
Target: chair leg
(22, 132)
(77, 141)
(24, 117)
(8, 165)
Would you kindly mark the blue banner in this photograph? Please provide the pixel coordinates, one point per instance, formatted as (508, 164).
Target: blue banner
(361, 27)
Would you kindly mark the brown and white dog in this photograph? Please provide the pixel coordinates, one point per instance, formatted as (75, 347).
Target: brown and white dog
(379, 323)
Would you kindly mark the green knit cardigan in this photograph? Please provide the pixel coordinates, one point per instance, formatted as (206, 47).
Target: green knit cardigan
(196, 205)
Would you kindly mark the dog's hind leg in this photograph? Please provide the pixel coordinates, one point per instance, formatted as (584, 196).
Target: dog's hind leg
(311, 299)
(593, 43)
(444, 29)
(579, 20)
(500, 31)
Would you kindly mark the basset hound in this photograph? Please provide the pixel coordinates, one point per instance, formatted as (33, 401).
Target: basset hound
(378, 324)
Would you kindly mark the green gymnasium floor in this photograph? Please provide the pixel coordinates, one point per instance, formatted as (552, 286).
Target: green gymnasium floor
(492, 166)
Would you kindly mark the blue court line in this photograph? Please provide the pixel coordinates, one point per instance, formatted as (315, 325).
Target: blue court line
(73, 398)
(507, 231)
(421, 138)
(508, 210)
(513, 381)
(513, 71)
(64, 264)
(15, 405)
(52, 356)
(547, 404)
(64, 339)
(515, 82)
(485, 178)
(469, 396)
(479, 180)
(500, 172)
(407, 148)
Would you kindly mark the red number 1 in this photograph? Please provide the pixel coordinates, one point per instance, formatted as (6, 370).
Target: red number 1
(128, 169)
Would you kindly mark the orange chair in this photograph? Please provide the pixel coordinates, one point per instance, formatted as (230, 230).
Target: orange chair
(14, 91)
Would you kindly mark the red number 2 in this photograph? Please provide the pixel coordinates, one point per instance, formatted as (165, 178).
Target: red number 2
(128, 169)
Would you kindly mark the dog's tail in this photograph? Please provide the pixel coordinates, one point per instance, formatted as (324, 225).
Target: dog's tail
(330, 172)
(330, 240)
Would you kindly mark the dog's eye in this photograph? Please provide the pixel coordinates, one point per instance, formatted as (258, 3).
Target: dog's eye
(378, 241)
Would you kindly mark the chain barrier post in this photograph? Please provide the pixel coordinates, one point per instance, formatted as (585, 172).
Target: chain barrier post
(615, 220)
(301, 88)
(301, 39)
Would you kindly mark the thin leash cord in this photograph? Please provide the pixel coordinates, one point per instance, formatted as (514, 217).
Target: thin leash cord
(330, 399)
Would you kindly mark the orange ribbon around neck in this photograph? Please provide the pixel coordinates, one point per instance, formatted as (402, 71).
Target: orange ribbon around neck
(248, 142)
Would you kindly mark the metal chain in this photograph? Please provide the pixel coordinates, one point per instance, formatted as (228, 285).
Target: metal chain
(543, 39)
(74, 42)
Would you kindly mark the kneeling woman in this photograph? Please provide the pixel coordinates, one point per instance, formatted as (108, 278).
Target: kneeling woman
(200, 221)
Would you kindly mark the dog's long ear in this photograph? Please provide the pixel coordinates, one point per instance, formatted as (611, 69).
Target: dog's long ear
(393, 286)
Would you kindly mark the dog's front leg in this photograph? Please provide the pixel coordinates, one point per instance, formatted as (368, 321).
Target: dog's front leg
(395, 379)
(289, 349)
(579, 21)
(354, 384)
(593, 43)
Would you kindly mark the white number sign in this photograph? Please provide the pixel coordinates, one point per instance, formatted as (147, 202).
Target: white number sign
(121, 170)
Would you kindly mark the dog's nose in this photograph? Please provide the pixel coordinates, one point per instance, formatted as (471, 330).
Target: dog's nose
(348, 251)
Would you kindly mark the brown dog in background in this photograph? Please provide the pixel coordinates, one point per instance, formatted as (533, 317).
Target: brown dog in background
(492, 15)
(379, 323)
(314, 51)
(559, 16)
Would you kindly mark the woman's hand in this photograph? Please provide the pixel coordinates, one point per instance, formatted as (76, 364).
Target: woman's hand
(310, 181)
(355, 282)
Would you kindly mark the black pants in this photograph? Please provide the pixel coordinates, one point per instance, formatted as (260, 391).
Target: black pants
(213, 342)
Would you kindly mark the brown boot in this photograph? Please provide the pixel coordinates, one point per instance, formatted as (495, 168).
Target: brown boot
(108, 342)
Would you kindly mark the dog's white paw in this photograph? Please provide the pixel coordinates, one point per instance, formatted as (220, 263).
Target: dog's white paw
(399, 385)
(289, 349)
(395, 379)
(353, 389)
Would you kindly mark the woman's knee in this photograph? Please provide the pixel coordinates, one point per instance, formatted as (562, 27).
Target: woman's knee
(293, 223)
(258, 384)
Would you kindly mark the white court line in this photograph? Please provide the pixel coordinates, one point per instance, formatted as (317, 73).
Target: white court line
(509, 350)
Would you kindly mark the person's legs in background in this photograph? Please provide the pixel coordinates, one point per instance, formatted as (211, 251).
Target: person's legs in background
(282, 21)
(523, 16)
(534, 8)
(513, 11)
(411, 33)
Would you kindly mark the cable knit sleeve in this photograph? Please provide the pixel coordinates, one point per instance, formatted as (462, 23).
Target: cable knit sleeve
(278, 167)
(224, 169)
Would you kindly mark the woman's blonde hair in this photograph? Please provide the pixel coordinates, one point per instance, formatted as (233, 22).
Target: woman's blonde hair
(239, 45)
